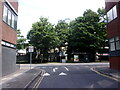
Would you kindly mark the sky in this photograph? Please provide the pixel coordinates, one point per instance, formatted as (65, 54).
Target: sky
(31, 10)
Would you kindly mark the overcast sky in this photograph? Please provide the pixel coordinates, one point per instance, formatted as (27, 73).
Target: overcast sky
(31, 10)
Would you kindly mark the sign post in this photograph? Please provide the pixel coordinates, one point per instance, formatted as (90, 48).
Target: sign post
(31, 49)
(60, 54)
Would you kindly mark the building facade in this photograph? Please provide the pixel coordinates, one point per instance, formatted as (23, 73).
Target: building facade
(8, 27)
(113, 30)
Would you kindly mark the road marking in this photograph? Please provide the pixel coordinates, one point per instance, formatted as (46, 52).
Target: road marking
(32, 80)
(92, 86)
(46, 74)
(39, 81)
(54, 69)
(66, 68)
(61, 74)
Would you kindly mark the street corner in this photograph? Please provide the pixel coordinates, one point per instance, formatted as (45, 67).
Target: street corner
(107, 72)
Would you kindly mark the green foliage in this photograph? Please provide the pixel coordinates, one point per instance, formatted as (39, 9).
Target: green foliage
(88, 33)
(42, 36)
(20, 40)
(62, 32)
(84, 34)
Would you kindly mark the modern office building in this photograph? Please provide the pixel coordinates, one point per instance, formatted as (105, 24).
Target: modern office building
(8, 26)
(113, 30)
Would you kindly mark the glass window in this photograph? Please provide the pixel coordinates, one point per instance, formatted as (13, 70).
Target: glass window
(109, 15)
(117, 43)
(9, 17)
(114, 12)
(112, 40)
(112, 46)
(13, 20)
(15, 27)
(5, 13)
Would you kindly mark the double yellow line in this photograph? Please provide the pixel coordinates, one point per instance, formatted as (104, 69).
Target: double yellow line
(39, 81)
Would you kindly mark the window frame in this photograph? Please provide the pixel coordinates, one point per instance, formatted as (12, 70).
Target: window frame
(112, 13)
(115, 41)
(11, 17)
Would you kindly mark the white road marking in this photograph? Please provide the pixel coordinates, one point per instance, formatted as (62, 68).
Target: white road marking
(92, 86)
(66, 68)
(46, 74)
(61, 74)
(54, 69)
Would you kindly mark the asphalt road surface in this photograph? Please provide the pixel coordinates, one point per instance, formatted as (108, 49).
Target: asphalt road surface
(74, 76)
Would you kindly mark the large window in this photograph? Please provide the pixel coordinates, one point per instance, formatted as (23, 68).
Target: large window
(117, 42)
(13, 20)
(9, 17)
(114, 44)
(112, 14)
(5, 14)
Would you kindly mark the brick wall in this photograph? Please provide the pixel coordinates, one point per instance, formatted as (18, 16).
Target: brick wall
(0, 41)
(8, 33)
(113, 29)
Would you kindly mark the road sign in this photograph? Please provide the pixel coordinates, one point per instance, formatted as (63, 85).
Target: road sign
(60, 54)
(31, 49)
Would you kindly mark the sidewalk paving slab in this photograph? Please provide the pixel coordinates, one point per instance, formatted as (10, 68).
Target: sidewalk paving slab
(109, 72)
(21, 78)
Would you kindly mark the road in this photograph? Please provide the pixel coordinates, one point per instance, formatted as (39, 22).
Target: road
(73, 76)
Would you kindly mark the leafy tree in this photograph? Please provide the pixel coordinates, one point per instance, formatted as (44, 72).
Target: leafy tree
(62, 32)
(41, 36)
(20, 40)
(87, 33)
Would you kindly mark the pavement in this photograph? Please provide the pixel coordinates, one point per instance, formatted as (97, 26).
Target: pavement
(106, 71)
(23, 77)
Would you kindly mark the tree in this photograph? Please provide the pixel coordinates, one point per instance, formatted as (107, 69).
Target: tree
(41, 36)
(87, 33)
(20, 40)
(62, 32)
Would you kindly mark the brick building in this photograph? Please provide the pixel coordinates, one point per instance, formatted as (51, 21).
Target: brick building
(8, 26)
(113, 30)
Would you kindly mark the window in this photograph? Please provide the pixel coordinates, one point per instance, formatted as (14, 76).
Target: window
(112, 14)
(9, 16)
(5, 14)
(117, 43)
(114, 44)
(13, 20)
(15, 25)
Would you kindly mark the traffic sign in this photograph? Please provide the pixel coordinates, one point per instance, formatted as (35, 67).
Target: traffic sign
(31, 49)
